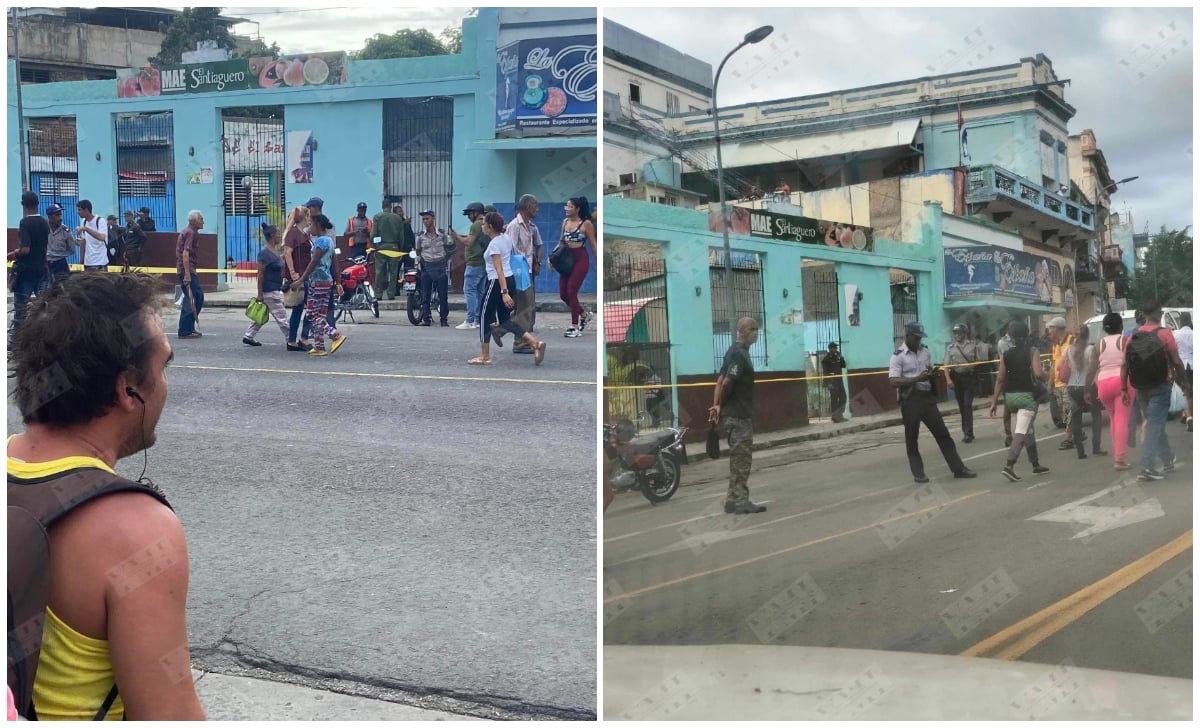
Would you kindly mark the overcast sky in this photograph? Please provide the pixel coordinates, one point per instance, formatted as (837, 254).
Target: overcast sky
(329, 28)
(1130, 71)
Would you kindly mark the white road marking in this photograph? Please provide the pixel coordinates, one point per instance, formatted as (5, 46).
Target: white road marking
(1100, 518)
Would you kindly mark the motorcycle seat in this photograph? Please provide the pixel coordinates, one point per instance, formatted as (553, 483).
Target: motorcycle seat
(651, 443)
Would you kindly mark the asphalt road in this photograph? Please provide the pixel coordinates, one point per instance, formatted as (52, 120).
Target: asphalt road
(388, 520)
(851, 553)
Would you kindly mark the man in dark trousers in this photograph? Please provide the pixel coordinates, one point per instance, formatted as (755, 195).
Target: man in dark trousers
(832, 366)
(434, 248)
(961, 374)
(911, 371)
(358, 232)
(733, 407)
(29, 269)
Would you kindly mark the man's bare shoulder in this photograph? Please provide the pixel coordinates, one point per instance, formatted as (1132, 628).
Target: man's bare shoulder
(120, 522)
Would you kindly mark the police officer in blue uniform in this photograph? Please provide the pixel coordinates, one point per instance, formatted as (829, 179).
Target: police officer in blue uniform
(911, 371)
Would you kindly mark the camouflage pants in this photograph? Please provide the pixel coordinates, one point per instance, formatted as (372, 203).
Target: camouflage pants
(741, 444)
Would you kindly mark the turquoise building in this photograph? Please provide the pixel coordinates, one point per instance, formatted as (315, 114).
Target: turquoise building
(431, 131)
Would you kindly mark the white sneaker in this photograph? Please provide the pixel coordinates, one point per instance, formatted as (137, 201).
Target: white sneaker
(573, 333)
(584, 319)
(464, 326)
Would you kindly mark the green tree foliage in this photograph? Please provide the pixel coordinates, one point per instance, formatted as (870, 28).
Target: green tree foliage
(402, 44)
(1166, 270)
(189, 27)
(451, 39)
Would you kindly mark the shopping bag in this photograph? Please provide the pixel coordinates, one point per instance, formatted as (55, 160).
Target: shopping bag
(257, 311)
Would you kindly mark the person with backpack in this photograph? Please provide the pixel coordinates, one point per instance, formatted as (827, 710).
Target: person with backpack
(1151, 357)
(98, 565)
(1104, 384)
(1020, 379)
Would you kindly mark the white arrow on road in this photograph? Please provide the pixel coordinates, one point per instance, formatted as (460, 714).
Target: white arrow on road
(1123, 506)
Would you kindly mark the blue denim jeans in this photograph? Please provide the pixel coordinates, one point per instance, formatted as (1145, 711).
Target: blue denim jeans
(297, 317)
(1157, 402)
(24, 286)
(474, 278)
(187, 318)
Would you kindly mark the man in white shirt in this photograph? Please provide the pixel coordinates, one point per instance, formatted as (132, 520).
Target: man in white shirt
(528, 242)
(1183, 339)
(93, 232)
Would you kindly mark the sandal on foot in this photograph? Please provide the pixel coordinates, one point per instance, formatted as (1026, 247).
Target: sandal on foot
(479, 361)
(539, 353)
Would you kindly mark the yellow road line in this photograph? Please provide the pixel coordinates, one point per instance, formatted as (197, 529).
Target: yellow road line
(387, 376)
(1020, 638)
(788, 550)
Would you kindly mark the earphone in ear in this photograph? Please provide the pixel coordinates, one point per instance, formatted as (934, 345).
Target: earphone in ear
(134, 393)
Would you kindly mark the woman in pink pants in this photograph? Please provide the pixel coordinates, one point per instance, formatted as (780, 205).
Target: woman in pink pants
(1108, 363)
(578, 234)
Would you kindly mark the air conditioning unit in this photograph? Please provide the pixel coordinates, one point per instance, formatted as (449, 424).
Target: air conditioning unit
(628, 179)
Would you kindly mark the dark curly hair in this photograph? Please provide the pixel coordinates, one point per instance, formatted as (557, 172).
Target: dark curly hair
(76, 340)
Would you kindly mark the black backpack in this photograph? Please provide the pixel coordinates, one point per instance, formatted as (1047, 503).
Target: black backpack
(33, 505)
(1146, 359)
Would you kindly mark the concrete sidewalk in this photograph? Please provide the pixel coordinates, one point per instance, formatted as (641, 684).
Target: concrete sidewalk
(826, 429)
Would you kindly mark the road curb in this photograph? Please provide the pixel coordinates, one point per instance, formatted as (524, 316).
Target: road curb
(858, 427)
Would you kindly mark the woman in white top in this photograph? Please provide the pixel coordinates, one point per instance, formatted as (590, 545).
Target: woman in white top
(1183, 339)
(1073, 366)
(1105, 372)
(497, 298)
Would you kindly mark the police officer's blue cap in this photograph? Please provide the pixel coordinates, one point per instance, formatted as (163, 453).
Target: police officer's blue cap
(54, 210)
(427, 212)
(315, 202)
(914, 328)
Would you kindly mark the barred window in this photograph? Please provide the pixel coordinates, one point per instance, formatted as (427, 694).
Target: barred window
(748, 300)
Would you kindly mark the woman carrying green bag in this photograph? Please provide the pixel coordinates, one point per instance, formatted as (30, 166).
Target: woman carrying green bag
(270, 285)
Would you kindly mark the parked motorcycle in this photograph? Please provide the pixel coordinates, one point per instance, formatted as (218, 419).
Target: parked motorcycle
(649, 463)
(357, 292)
(411, 285)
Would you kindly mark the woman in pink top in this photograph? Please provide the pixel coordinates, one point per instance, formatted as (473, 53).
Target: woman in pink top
(1108, 364)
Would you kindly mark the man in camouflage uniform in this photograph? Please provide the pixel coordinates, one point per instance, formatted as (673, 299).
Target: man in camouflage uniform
(733, 406)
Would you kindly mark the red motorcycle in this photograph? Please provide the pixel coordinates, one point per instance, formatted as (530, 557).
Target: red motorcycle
(649, 463)
(357, 292)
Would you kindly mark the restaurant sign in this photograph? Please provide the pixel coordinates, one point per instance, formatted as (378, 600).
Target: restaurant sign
(987, 269)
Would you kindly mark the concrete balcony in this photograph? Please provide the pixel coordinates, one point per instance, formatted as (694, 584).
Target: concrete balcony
(1013, 200)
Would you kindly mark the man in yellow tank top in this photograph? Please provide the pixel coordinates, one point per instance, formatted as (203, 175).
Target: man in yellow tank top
(118, 564)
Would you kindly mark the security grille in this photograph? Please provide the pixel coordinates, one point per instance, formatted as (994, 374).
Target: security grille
(418, 145)
(904, 303)
(253, 147)
(822, 312)
(54, 166)
(146, 166)
(637, 341)
(747, 288)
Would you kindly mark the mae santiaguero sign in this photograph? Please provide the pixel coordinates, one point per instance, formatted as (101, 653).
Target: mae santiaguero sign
(791, 228)
(989, 270)
(241, 74)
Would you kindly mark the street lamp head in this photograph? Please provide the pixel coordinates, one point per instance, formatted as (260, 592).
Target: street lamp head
(758, 34)
(1127, 179)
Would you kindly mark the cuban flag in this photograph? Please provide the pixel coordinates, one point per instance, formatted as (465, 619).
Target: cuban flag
(963, 154)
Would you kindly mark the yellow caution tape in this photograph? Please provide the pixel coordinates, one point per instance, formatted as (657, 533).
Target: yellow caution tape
(813, 378)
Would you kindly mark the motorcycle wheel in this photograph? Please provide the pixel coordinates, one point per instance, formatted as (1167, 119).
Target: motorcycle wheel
(660, 488)
(372, 301)
(414, 310)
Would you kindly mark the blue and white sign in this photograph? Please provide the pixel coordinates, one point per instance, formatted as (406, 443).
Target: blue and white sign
(546, 87)
(986, 269)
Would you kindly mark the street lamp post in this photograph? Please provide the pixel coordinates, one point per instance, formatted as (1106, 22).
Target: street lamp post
(20, 106)
(754, 36)
(1109, 189)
